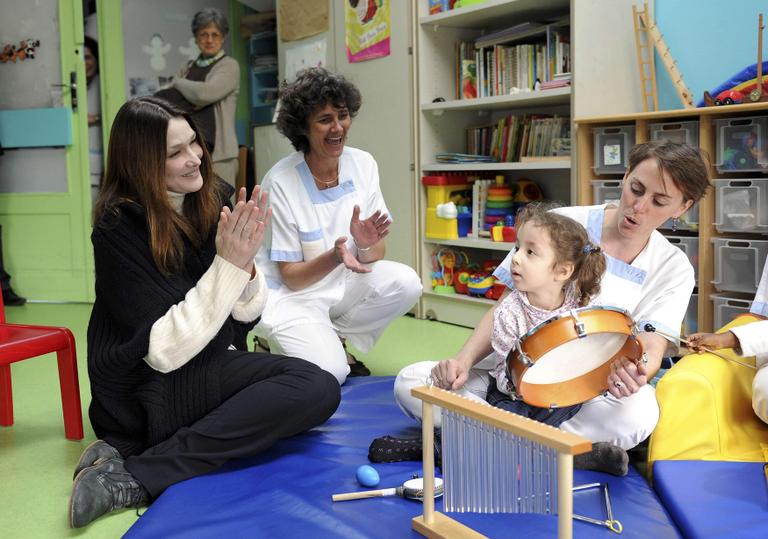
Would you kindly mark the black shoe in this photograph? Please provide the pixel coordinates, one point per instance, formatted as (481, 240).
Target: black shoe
(12, 298)
(260, 345)
(357, 367)
(392, 449)
(101, 489)
(96, 453)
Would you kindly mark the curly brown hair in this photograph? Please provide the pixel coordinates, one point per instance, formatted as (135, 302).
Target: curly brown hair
(313, 89)
(571, 244)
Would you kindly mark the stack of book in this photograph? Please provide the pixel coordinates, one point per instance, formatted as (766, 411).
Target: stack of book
(492, 65)
(452, 157)
(516, 137)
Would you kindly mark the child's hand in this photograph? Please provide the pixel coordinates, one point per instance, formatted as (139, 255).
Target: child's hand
(704, 342)
(449, 374)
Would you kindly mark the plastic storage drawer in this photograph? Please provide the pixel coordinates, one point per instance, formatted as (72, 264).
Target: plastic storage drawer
(741, 205)
(741, 144)
(739, 264)
(726, 309)
(605, 190)
(690, 246)
(687, 132)
(688, 221)
(612, 145)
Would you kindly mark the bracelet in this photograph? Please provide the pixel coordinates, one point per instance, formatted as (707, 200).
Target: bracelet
(365, 249)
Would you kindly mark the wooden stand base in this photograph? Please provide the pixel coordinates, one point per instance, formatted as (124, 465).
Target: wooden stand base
(444, 527)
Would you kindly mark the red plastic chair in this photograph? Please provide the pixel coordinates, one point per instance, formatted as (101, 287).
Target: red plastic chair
(18, 342)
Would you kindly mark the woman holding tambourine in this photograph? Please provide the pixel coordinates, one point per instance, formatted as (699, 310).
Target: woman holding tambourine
(646, 276)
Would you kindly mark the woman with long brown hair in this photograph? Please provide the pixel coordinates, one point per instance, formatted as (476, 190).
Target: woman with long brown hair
(171, 396)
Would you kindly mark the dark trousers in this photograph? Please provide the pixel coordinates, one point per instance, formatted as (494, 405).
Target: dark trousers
(268, 398)
(550, 416)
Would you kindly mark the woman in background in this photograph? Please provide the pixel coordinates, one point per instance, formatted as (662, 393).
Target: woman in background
(211, 84)
(91, 56)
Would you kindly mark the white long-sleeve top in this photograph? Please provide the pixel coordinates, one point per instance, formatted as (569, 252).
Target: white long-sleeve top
(189, 326)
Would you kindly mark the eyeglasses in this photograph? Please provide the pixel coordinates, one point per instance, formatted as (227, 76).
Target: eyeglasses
(213, 36)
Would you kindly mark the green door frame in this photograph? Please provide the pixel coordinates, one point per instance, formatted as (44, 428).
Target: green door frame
(47, 234)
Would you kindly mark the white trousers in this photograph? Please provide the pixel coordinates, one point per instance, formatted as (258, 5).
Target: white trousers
(371, 301)
(760, 392)
(623, 422)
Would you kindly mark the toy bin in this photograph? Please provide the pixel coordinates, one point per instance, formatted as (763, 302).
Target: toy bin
(447, 188)
(690, 246)
(741, 144)
(739, 264)
(439, 228)
(687, 132)
(605, 190)
(688, 221)
(612, 145)
(690, 322)
(727, 308)
(741, 205)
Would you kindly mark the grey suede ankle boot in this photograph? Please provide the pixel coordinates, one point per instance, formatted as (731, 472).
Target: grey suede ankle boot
(101, 489)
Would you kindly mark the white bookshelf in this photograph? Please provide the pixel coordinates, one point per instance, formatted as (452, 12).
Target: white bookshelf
(442, 120)
(476, 167)
(556, 96)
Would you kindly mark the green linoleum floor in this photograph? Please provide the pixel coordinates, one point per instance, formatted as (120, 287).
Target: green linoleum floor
(36, 460)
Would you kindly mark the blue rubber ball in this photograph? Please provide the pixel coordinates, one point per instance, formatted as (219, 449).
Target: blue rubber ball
(367, 476)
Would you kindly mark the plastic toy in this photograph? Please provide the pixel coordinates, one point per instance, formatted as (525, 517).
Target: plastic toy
(748, 85)
(496, 291)
(479, 284)
(504, 231)
(729, 97)
(462, 282)
(367, 476)
(527, 191)
(443, 266)
(742, 155)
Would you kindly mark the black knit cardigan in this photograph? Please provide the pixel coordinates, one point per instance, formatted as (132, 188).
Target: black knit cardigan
(133, 406)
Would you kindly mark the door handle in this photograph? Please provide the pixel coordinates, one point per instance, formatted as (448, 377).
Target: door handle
(72, 89)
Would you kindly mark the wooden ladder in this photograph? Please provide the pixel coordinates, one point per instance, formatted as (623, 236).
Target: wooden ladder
(646, 32)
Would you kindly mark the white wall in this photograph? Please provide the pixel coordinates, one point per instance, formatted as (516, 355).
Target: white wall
(171, 20)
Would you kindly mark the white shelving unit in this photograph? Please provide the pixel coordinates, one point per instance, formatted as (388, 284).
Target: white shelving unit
(441, 127)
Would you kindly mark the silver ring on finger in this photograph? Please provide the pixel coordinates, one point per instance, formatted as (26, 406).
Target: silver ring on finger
(618, 385)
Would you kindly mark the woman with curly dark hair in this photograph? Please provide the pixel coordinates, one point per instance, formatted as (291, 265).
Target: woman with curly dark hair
(323, 254)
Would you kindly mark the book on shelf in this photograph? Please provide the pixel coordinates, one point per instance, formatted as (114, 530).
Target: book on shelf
(468, 79)
(515, 58)
(513, 137)
(453, 157)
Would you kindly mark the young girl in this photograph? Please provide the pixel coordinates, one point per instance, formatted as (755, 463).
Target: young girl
(555, 269)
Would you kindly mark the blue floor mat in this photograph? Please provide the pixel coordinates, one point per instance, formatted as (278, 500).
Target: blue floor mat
(714, 499)
(286, 492)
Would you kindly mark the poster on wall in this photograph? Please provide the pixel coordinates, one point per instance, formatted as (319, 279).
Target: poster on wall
(368, 27)
(302, 18)
(306, 55)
